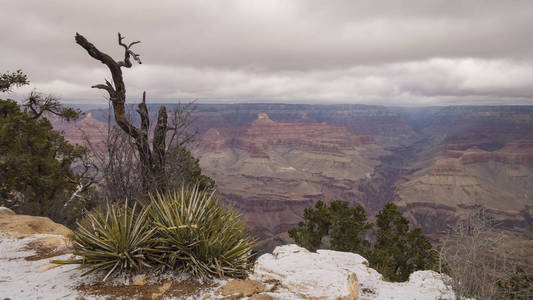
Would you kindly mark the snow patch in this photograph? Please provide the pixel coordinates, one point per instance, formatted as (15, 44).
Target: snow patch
(20, 279)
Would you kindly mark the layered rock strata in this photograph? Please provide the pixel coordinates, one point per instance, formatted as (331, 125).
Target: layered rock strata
(273, 170)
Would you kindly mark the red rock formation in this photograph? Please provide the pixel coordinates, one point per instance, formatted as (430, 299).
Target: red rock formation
(447, 166)
(475, 155)
(273, 170)
(213, 140)
(81, 132)
(309, 136)
(516, 152)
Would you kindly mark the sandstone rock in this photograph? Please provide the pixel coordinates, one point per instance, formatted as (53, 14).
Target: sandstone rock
(241, 287)
(23, 224)
(162, 289)
(261, 297)
(43, 236)
(6, 211)
(141, 280)
(235, 296)
(47, 267)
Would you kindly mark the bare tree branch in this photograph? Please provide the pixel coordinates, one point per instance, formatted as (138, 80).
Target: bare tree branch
(181, 123)
(38, 104)
(127, 52)
(117, 95)
(108, 87)
(143, 113)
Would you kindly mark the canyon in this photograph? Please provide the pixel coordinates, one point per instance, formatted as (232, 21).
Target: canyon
(437, 164)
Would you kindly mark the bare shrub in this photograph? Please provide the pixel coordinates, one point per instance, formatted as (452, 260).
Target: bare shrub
(120, 169)
(121, 175)
(475, 256)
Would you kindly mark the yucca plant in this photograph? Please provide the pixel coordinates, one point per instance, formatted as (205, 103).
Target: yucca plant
(119, 240)
(197, 235)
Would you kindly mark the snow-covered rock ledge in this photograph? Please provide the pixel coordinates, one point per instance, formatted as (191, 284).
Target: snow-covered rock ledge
(340, 275)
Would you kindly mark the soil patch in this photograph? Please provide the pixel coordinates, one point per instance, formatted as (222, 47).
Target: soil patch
(180, 290)
(43, 251)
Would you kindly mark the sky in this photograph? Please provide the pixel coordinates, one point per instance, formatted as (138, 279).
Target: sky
(372, 52)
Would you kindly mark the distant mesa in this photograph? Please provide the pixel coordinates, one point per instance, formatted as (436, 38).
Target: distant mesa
(514, 152)
(448, 166)
(212, 133)
(89, 129)
(263, 118)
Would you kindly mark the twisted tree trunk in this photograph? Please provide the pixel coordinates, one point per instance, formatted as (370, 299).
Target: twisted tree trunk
(152, 159)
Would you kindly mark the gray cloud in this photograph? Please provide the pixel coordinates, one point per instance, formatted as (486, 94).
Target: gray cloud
(383, 52)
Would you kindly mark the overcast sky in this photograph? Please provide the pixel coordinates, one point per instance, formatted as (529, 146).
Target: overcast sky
(374, 52)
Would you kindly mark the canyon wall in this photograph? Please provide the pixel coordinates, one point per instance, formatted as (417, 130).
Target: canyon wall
(437, 163)
(474, 157)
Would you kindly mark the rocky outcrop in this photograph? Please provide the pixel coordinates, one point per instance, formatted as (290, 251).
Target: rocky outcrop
(328, 274)
(27, 243)
(14, 225)
(239, 288)
(309, 276)
(447, 166)
(518, 152)
(4, 211)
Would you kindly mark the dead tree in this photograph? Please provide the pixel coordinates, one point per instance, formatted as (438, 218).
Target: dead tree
(152, 158)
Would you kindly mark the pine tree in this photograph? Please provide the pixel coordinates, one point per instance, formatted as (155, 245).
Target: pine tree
(313, 228)
(183, 168)
(398, 252)
(36, 174)
(347, 226)
(343, 225)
